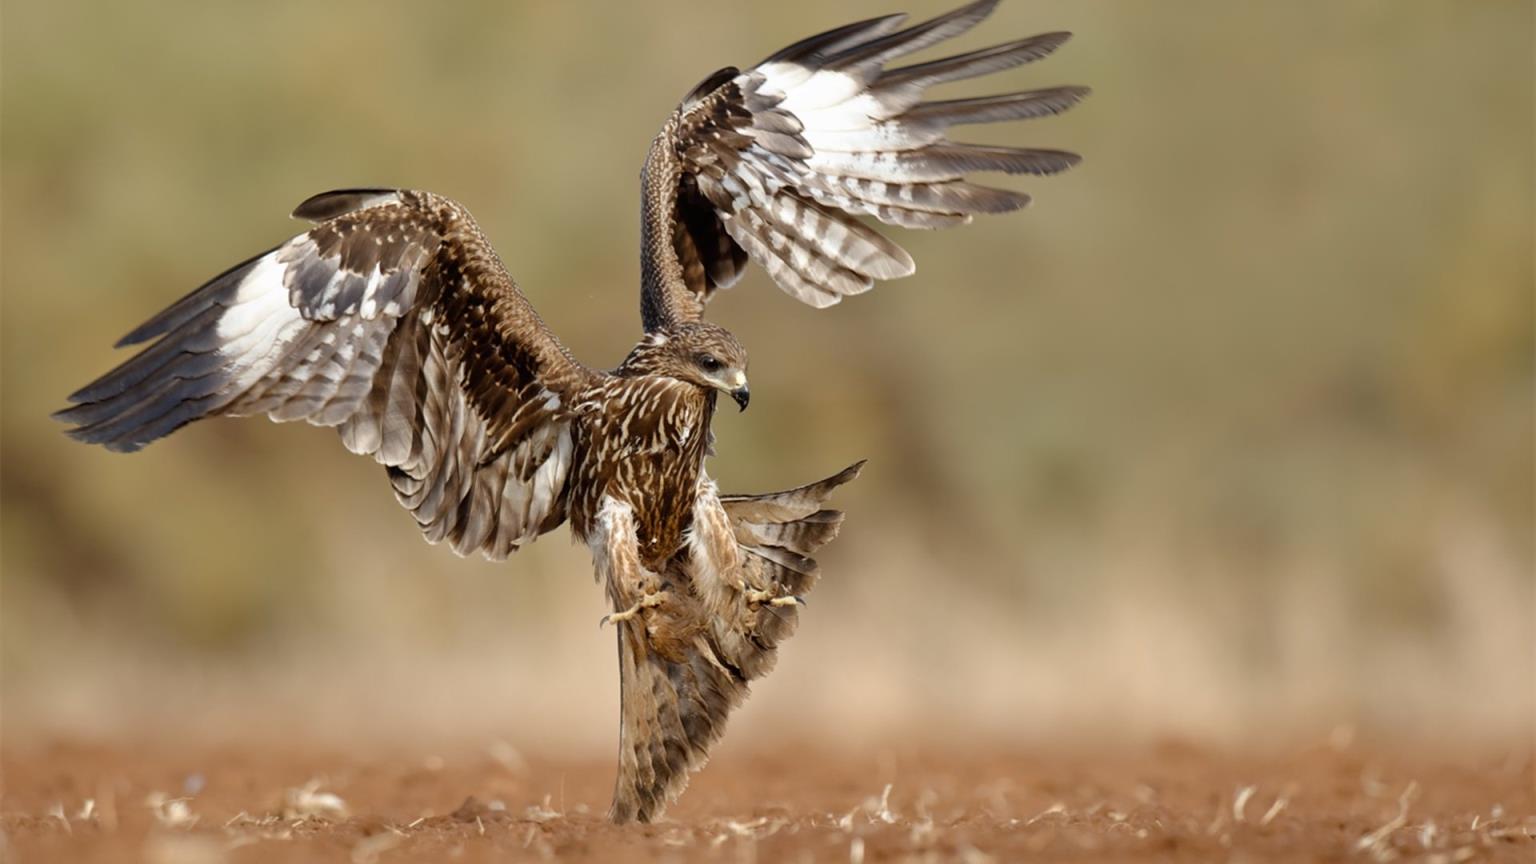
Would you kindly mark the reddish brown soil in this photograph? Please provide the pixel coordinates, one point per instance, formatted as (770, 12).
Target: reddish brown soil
(1169, 803)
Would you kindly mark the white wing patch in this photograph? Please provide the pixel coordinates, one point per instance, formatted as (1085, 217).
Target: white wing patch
(325, 328)
(257, 329)
(790, 152)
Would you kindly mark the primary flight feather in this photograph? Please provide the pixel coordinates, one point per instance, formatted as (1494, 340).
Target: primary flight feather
(393, 320)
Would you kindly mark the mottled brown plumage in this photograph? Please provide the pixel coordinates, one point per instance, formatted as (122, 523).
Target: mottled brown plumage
(393, 320)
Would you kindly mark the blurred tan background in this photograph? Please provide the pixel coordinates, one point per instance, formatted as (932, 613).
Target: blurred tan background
(1230, 436)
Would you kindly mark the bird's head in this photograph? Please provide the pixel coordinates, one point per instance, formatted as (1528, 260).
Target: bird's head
(700, 353)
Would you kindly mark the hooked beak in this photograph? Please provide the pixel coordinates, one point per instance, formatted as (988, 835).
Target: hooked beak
(742, 396)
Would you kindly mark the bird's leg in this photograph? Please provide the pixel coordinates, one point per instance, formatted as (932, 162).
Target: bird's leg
(631, 587)
(649, 600)
(628, 579)
(759, 596)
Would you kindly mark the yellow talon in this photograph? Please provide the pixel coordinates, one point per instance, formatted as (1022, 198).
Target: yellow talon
(649, 601)
(756, 596)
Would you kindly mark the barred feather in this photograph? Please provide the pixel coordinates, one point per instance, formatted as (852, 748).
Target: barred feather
(392, 320)
(787, 153)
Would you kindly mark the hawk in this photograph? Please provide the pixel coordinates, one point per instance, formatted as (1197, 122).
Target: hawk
(393, 320)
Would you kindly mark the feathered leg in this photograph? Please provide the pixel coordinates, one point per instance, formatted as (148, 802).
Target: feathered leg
(674, 693)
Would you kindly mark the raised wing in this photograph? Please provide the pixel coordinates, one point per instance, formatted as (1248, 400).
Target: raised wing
(393, 320)
(775, 163)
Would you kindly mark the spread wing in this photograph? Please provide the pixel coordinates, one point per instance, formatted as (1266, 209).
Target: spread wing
(774, 164)
(392, 320)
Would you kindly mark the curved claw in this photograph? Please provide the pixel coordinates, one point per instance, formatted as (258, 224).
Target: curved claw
(649, 601)
(759, 597)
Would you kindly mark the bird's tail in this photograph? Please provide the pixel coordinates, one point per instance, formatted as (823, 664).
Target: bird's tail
(683, 667)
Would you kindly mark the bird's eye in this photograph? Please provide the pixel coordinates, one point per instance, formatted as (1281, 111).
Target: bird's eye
(708, 362)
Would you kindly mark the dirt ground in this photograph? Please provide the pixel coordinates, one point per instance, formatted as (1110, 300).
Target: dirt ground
(78, 802)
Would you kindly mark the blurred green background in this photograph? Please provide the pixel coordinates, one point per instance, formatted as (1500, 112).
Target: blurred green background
(1230, 434)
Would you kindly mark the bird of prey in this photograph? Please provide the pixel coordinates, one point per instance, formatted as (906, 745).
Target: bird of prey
(393, 320)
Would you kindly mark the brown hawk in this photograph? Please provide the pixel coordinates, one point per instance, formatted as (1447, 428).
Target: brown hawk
(393, 320)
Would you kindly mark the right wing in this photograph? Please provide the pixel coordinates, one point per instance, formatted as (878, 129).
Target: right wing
(393, 320)
(774, 163)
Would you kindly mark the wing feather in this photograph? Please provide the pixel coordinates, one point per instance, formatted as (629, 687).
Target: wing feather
(392, 320)
(782, 158)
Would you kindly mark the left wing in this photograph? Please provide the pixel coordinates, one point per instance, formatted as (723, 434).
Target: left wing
(774, 164)
(392, 320)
